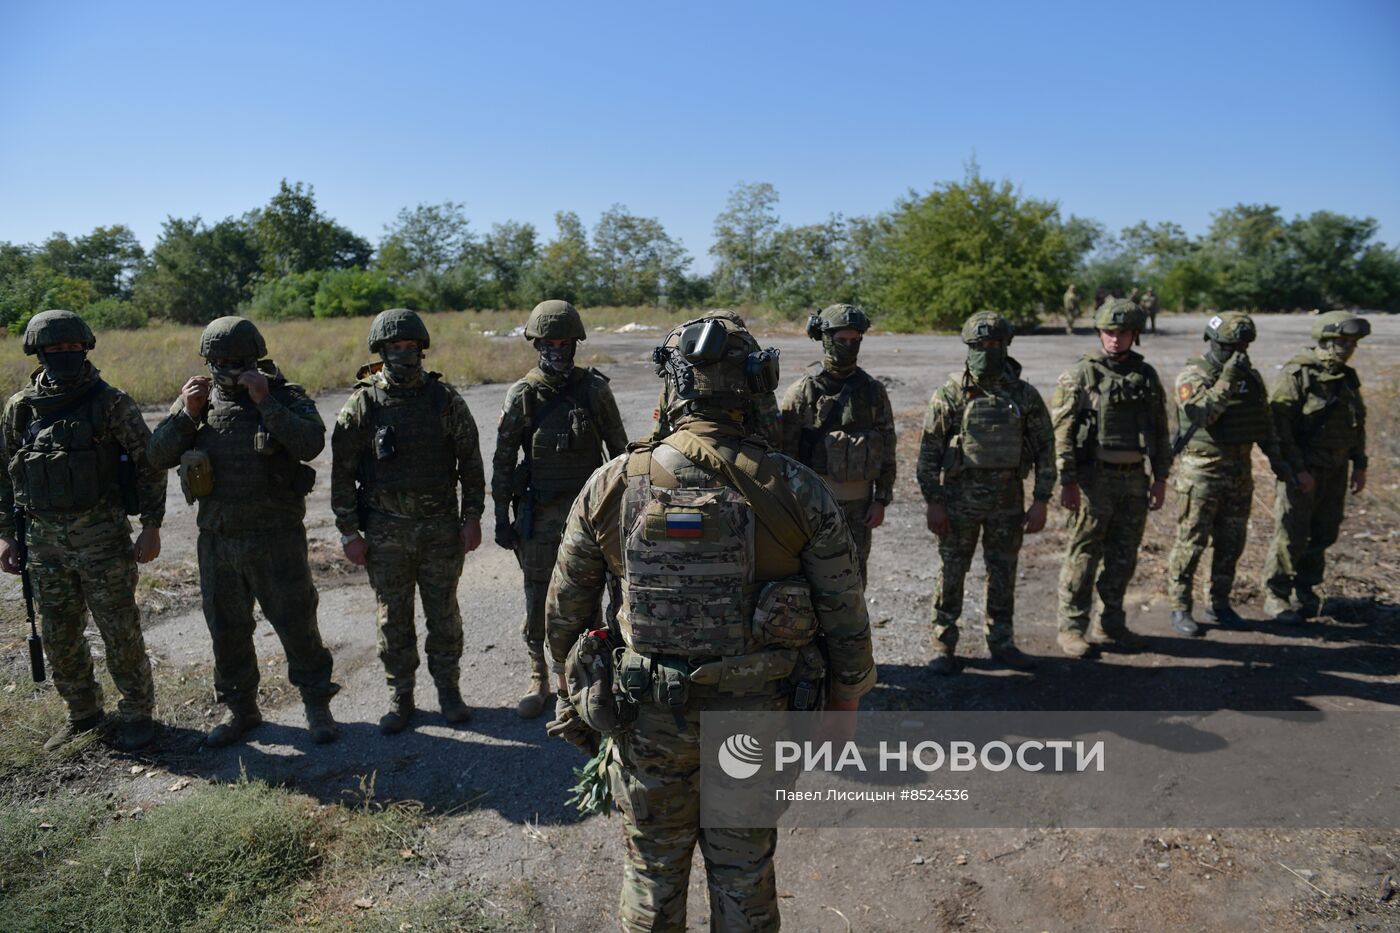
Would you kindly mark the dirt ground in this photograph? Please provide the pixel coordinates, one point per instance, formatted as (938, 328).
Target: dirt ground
(502, 785)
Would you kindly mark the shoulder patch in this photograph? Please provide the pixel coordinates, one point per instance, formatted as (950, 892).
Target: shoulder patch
(1183, 391)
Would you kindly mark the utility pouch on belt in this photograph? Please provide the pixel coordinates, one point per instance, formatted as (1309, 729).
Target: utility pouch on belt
(748, 674)
(808, 678)
(589, 671)
(196, 474)
(854, 457)
(384, 444)
(783, 615)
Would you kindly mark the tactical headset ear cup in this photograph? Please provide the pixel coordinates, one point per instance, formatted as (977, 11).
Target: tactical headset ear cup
(814, 327)
(761, 370)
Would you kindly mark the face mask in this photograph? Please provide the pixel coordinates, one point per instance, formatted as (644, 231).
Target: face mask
(64, 365)
(986, 365)
(226, 377)
(556, 359)
(839, 358)
(1336, 353)
(402, 364)
(1219, 353)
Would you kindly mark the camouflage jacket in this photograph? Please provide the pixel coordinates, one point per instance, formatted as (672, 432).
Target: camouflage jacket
(1075, 400)
(1307, 392)
(867, 409)
(1201, 401)
(943, 424)
(352, 440)
(588, 390)
(593, 544)
(761, 420)
(123, 423)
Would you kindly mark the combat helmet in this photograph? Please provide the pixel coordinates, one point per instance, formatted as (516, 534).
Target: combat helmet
(1230, 327)
(1119, 314)
(555, 320)
(729, 314)
(1330, 325)
(232, 337)
(714, 358)
(837, 317)
(986, 325)
(56, 326)
(397, 324)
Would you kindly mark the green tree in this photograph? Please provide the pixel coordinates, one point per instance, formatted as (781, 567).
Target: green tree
(354, 293)
(290, 297)
(565, 268)
(294, 236)
(1245, 253)
(510, 251)
(744, 247)
(198, 272)
(108, 258)
(425, 240)
(637, 260)
(812, 266)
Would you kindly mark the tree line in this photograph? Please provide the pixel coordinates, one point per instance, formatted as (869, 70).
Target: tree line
(928, 262)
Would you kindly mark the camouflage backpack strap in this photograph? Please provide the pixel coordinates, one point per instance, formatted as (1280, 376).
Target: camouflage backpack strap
(760, 484)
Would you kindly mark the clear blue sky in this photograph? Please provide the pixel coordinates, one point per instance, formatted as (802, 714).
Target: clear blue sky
(128, 112)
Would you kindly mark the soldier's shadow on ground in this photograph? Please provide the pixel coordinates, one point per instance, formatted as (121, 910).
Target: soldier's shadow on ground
(526, 778)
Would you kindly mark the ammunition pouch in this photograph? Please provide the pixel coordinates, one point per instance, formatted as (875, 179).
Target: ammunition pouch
(808, 678)
(854, 457)
(196, 472)
(747, 675)
(596, 686)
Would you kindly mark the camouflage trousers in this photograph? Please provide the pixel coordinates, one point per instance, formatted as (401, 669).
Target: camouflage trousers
(1305, 526)
(536, 556)
(655, 778)
(425, 555)
(992, 508)
(271, 568)
(855, 510)
(76, 570)
(1214, 512)
(1103, 546)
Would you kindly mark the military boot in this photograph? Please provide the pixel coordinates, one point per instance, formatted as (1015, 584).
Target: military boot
(1281, 610)
(450, 702)
(1222, 614)
(71, 730)
(1008, 654)
(1072, 643)
(1309, 603)
(237, 720)
(1121, 637)
(319, 720)
(533, 702)
(401, 710)
(135, 733)
(1184, 623)
(945, 658)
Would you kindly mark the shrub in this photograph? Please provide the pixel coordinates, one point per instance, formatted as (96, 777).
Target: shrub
(114, 314)
(354, 293)
(290, 297)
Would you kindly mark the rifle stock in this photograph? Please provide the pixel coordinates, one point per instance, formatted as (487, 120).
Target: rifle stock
(36, 641)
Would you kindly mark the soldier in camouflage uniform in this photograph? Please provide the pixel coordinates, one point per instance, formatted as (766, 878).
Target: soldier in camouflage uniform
(1109, 412)
(403, 445)
(761, 418)
(1071, 306)
(240, 437)
(556, 422)
(74, 451)
(669, 520)
(837, 420)
(984, 430)
(1150, 306)
(1222, 412)
(1321, 423)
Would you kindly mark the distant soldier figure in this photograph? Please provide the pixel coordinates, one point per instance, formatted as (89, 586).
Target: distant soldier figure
(1222, 413)
(1133, 295)
(1110, 417)
(562, 417)
(1071, 307)
(985, 429)
(1321, 422)
(1150, 306)
(761, 417)
(75, 466)
(837, 420)
(1101, 294)
(241, 436)
(403, 446)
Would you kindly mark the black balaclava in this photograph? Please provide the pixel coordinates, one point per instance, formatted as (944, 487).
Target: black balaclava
(64, 367)
(557, 360)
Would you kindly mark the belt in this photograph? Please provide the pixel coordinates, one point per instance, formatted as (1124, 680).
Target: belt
(1121, 467)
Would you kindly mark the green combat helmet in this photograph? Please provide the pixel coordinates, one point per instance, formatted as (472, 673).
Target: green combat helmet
(1230, 327)
(1326, 327)
(837, 317)
(1120, 314)
(555, 320)
(986, 325)
(232, 338)
(48, 328)
(397, 324)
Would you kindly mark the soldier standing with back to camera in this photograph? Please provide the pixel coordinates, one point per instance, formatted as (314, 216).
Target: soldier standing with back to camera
(555, 422)
(1321, 422)
(403, 445)
(1110, 418)
(75, 466)
(733, 559)
(240, 437)
(1222, 413)
(837, 420)
(984, 430)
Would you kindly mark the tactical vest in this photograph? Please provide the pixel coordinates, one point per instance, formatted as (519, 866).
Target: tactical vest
(992, 433)
(565, 445)
(1245, 419)
(1122, 407)
(241, 474)
(843, 444)
(1334, 417)
(67, 461)
(423, 457)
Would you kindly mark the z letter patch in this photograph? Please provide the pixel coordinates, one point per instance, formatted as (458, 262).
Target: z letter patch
(685, 524)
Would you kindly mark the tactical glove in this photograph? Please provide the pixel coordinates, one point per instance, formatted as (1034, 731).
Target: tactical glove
(505, 536)
(567, 725)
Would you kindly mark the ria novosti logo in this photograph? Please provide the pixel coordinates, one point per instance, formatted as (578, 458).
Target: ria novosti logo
(741, 756)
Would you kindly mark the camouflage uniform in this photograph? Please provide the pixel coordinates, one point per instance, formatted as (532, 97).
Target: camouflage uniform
(252, 540)
(1321, 422)
(615, 527)
(1227, 405)
(80, 553)
(975, 467)
(761, 417)
(412, 515)
(1110, 418)
(1150, 306)
(1071, 306)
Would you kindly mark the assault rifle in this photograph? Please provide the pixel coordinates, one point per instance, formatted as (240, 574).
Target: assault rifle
(36, 641)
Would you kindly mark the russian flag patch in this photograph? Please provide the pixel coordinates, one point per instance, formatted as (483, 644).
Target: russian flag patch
(685, 525)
